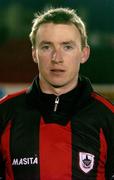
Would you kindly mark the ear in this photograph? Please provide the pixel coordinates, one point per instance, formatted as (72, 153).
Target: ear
(85, 54)
(34, 55)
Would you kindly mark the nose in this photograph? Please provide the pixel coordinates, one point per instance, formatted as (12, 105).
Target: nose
(57, 56)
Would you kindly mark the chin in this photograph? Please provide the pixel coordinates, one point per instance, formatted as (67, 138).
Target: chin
(57, 85)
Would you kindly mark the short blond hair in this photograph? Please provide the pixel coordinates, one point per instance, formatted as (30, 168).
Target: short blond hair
(59, 16)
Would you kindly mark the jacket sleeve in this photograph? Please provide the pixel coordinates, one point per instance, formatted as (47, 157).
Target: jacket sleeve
(2, 169)
(110, 153)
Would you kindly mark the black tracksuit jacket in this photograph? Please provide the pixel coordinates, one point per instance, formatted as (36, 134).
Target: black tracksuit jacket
(44, 137)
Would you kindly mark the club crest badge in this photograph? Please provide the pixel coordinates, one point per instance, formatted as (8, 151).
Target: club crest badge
(86, 161)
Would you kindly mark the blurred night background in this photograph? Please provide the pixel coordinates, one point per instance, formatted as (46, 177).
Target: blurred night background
(16, 65)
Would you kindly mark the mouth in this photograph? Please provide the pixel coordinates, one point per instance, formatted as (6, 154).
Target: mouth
(57, 71)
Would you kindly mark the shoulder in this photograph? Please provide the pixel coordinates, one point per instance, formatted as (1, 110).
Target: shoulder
(10, 104)
(102, 102)
(13, 98)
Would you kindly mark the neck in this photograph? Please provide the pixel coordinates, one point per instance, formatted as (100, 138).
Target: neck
(56, 90)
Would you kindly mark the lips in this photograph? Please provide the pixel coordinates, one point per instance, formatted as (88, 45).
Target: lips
(57, 70)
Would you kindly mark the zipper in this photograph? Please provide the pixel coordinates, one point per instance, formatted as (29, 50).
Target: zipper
(56, 103)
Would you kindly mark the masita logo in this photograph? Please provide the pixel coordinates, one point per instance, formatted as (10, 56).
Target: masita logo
(25, 161)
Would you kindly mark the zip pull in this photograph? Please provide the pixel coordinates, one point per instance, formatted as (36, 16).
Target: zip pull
(56, 103)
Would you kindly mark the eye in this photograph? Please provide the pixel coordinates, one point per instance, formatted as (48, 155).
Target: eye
(68, 47)
(45, 47)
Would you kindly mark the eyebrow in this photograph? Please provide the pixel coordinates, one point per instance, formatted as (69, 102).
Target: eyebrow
(69, 42)
(64, 42)
(44, 42)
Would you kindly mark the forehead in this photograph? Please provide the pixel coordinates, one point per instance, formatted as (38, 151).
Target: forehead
(57, 32)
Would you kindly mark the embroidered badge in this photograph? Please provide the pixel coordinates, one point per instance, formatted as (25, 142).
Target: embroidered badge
(86, 161)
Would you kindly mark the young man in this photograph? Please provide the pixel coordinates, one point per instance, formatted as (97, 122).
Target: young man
(59, 128)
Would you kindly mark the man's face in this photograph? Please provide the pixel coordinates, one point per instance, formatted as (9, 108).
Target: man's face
(59, 53)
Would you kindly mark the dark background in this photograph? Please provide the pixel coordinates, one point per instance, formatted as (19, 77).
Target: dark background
(16, 16)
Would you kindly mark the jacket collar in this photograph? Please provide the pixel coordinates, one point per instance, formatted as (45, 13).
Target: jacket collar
(69, 103)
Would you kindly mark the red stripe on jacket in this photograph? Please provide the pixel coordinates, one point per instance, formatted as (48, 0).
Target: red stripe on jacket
(5, 147)
(103, 100)
(103, 157)
(10, 96)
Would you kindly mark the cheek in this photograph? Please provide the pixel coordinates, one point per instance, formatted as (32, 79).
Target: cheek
(43, 58)
(74, 66)
(73, 60)
(74, 56)
(43, 65)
